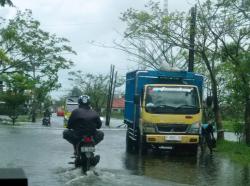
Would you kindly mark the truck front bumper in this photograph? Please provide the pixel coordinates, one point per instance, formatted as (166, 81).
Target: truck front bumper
(172, 139)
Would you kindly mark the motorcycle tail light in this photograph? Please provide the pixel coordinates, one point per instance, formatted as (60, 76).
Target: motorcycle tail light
(87, 139)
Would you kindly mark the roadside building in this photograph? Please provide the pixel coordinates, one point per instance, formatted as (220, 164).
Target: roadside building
(118, 105)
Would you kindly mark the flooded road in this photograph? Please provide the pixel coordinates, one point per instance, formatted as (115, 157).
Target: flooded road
(44, 156)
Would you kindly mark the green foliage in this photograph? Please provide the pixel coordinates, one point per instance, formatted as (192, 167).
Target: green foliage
(18, 82)
(27, 49)
(75, 92)
(147, 41)
(117, 115)
(96, 86)
(237, 65)
(59, 102)
(236, 151)
(15, 96)
(221, 48)
(6, 2)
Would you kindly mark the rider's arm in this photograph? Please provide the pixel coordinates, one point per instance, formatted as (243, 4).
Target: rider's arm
(70, 122)
(98, 123)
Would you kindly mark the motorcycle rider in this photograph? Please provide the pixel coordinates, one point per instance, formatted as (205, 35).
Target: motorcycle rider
(84, 121)
(46, 115)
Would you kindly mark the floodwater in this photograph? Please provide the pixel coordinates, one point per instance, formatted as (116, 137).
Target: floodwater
(44, 157)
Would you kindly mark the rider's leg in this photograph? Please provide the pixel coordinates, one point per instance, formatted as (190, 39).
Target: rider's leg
(203, 143)
(71, 137)
(98, 137)
(209, 143)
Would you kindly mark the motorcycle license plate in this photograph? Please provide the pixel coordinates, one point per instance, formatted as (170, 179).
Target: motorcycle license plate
(88, 149)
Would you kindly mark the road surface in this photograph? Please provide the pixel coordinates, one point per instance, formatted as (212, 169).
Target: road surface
(44, 156)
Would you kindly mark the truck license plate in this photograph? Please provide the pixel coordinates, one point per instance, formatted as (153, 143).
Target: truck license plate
(87, 149)
(173, 138)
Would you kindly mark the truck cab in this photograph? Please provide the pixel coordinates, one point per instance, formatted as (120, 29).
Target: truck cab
(163, 110)
(71, 104)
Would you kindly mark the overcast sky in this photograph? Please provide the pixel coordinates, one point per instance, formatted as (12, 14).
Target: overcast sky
(83, 21)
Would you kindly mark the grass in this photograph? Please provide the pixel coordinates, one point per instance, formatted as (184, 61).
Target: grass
(117, 115)
(23, 118)
(238, 152)
(232, 126)
(228, 126)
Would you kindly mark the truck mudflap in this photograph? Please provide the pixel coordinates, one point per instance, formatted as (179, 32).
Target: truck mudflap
(172, 139)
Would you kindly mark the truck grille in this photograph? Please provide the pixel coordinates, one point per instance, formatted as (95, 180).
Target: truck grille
(172, 127)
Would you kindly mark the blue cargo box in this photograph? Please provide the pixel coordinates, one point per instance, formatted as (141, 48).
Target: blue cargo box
(136, 80)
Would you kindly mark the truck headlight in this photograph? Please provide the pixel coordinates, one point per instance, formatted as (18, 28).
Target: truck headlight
(148, 128)
(194, 128)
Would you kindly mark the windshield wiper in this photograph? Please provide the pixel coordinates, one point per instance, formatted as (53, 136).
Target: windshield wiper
(164, 106)
(186, 106)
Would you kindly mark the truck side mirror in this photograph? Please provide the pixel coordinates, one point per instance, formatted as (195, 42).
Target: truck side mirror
(137, 99)
(209, 101)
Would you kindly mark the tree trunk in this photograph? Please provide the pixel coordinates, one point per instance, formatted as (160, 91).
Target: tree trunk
(216, 109)
(217, 113)
(247, 121)
(33, 116)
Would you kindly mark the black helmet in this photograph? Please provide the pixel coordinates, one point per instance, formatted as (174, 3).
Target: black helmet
(84, 100)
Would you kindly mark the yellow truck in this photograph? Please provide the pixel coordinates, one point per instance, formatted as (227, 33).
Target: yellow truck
(71, 104)
(163, 109)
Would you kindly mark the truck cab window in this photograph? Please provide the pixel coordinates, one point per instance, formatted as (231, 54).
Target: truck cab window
(172, 100)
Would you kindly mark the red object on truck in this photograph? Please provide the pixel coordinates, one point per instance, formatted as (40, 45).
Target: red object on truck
(60, 112)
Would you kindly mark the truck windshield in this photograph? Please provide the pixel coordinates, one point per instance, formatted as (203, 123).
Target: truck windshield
(71, 107)
(172, 100)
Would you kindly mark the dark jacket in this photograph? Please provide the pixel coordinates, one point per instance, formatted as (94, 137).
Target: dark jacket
(207, 129)
(84, 120)
(46, 113)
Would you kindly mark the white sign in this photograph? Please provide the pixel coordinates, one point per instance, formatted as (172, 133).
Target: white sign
(172, 89)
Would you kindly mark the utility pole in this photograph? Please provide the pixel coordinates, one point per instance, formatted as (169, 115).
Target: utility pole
(111, 90)
(192, 38)
(165, 7)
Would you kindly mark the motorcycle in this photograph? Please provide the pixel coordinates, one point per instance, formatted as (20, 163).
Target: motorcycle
(46, 121)
(85, 153)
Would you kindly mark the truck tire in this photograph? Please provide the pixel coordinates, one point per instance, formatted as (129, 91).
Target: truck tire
(129, 144)
(142, 145)
(193, 149)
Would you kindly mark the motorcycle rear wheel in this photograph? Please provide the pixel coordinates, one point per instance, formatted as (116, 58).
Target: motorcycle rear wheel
(85, 163)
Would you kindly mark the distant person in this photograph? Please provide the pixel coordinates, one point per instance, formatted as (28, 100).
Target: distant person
(47, 114)
(46, 117)
(84, 121)
(208, 135)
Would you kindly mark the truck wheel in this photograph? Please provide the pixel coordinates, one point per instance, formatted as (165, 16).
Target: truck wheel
(129, 144)
(193, 150)
(142, 145)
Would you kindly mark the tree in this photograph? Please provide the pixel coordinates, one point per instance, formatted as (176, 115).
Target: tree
(222, 29)
(39, 54)
(228, 23)
(172, 30)
(15, 96)
(239, 84)
(96, 86)
(6, 2)
(75, 92)
(147, 43)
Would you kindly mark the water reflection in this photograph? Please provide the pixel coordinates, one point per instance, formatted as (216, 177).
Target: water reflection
(201, 170)
(245, 175)
(180, 169)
